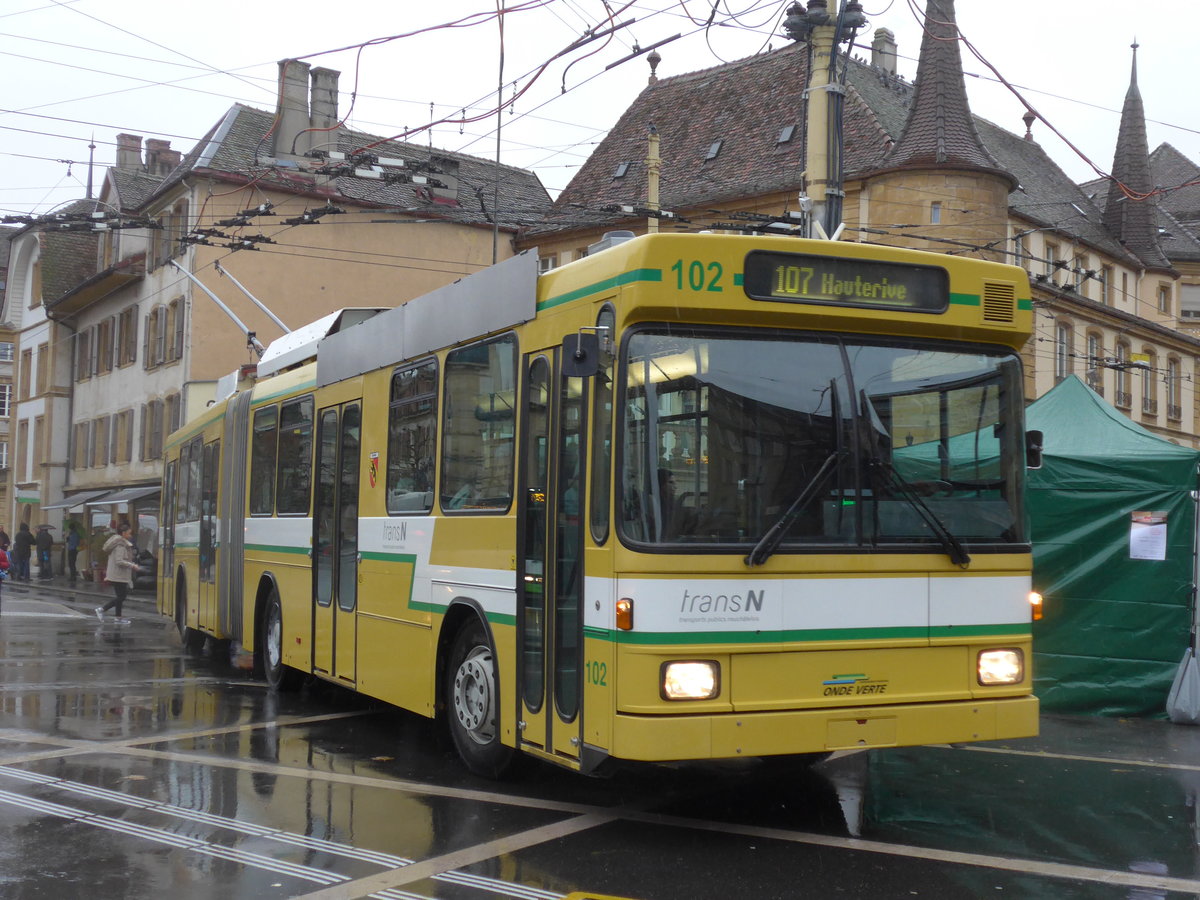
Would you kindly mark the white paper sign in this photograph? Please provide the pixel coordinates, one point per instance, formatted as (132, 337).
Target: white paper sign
(1148, 535)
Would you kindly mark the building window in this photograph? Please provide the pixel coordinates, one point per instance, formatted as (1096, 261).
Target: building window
(104, 346)
(1064, 350)
(546, 263)
(25, 374)
(1051, 258)
(1079, 276)
(174, 330)
(43, 368)
(123, 442)
(1095, 353)
(3, 454)
(127, 336)
(1149, 394)
(100, 447)
(80, 449)
(6, 351)
(1174, 409)
(1021, 252)
(1124, 398)
(714, 150)
(786, 133)
(23, 450)
(84, 357)
(1106, 280)
(935, 212)
(166, 242)
(5, 401)
(39, 445)
(1164, 299)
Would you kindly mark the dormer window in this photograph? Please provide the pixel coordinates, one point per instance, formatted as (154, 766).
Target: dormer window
(713, 149)
(786, 134)
(620, 170)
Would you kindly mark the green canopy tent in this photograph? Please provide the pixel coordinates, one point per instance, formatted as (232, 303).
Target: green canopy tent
(1117, 617)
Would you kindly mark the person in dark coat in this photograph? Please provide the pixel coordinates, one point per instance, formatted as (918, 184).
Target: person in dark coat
(45, 544)
(22, 551)
(5, 541)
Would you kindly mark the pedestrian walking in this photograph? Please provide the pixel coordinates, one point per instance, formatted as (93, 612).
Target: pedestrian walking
(22, 551)
(74, 536)
(4, 563)
(120, 572)
(44, 542)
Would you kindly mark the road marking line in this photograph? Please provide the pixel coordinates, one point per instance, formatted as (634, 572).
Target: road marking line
(1071, 757)
(439, 865)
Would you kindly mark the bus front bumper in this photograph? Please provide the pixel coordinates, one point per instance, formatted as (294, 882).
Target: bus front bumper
(732, 735)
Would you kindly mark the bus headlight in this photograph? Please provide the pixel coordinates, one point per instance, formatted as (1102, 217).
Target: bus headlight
(1001, 667)
(691, 680)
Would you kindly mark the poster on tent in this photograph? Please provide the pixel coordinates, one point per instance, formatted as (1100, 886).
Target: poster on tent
(1148, 535)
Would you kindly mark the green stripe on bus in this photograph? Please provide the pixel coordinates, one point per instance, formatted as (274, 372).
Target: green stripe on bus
(607, 284)
(804, 636)
(275, 548)
(965, 300)
(268, 398)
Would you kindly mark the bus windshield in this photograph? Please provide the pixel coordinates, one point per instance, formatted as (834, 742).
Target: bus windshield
(815, 442)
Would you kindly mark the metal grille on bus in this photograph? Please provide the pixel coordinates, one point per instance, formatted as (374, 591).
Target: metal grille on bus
(999, 302)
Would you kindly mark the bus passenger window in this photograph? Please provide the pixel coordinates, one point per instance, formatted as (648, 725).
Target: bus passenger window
(262, 461)
(412, 436)
(478, 426)
(294, 477)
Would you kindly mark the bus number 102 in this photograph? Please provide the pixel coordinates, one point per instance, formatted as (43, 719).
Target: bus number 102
(698, 277)
(792, 279)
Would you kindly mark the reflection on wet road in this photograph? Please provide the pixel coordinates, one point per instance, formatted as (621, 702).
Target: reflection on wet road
(129, 769)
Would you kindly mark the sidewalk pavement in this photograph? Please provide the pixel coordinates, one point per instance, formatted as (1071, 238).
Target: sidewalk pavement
(88, 593)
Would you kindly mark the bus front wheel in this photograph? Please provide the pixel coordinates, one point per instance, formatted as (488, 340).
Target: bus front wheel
(473, 703)
(279, 676)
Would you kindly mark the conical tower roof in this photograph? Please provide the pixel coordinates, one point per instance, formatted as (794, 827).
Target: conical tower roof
(1130, 219)
(940, 132)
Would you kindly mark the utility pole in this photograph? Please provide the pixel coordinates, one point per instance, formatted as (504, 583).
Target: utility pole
(825, 100)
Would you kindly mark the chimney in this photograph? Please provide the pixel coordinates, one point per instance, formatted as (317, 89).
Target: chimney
(160, 158)
(324, 105)
(292, 112)
(883, 50)
(129, 152)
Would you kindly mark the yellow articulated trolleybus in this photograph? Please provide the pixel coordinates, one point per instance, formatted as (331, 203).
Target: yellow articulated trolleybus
(691, 497)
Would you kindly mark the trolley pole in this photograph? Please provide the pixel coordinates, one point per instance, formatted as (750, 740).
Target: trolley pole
(822, 148)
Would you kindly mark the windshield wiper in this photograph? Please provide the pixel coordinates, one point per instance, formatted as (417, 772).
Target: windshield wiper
(770, 541)
(952, 545)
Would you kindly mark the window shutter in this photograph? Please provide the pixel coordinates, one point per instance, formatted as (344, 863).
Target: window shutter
(146, 341)
(142, 434)
(179, 323)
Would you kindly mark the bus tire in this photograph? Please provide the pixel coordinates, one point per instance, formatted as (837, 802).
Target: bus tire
(473, 703)
(193, 639)
(279, 676)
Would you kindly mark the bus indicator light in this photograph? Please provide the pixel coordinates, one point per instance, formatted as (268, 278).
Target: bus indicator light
(625, 614)
(1035, 605)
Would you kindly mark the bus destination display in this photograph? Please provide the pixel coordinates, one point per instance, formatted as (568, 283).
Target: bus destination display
(805, 278)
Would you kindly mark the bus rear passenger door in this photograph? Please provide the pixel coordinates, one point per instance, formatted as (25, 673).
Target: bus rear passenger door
(550, 579)
(335, 541)
(209, 539)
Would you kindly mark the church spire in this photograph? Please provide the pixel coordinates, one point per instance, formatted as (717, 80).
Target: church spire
(940, 132)
(1132, 220)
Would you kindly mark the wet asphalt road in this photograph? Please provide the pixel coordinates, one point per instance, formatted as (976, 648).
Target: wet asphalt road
(129, 769)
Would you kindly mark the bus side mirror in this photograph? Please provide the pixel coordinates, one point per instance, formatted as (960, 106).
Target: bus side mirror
(581, 355)
(1033, 449)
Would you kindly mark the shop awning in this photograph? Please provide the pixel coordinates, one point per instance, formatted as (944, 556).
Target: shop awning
(75, 500)
(125, 495)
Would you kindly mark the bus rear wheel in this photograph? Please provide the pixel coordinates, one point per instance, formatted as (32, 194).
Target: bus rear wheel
(473, 703)
(279, 676)
(193, 639)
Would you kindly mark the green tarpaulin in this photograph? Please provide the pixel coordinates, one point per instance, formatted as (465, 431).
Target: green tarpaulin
(1115, 626)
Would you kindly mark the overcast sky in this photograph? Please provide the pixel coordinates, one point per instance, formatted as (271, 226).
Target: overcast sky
(77, 68)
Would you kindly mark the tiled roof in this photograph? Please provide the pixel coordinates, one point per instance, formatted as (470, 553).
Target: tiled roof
(132, 188)
(236, 146)
(746, 103)
(67, 258)
(940, 131)
(1170, 169)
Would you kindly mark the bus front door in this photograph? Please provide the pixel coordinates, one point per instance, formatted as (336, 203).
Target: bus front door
(335, 541)
(550, 579)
